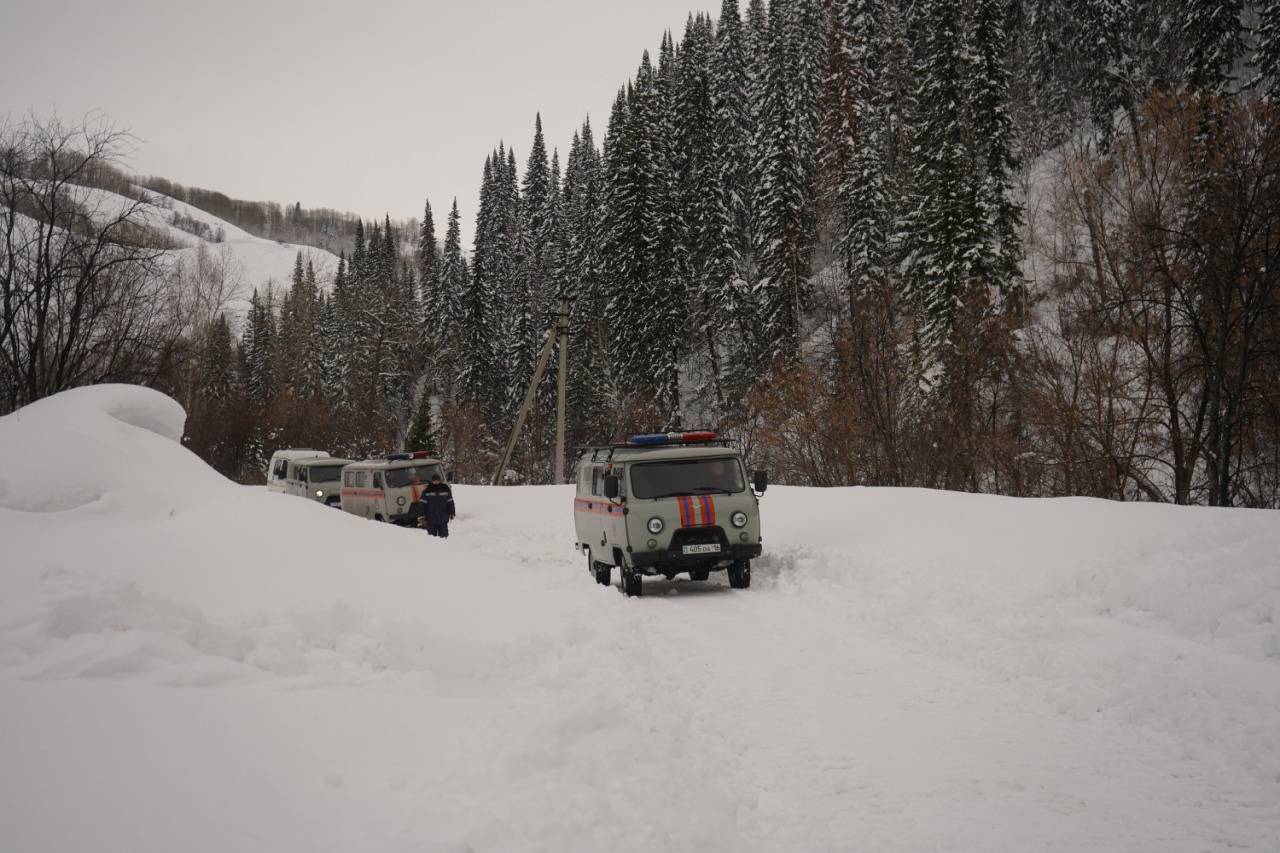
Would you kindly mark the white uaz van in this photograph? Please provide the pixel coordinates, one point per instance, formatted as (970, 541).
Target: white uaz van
(317, 479)
(668, 503)
(278, 467)
(387, 489)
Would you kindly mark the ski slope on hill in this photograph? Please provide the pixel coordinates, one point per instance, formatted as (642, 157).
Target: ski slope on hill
(251, 261)
(256, 260)
(188, 664)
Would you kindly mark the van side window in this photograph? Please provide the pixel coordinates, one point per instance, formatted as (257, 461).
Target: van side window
(282, 467)
(595, 479)
(377, 479)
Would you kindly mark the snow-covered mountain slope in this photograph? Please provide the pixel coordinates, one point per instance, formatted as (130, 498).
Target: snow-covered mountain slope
(251, 262)
(259, 260)
(190, 664)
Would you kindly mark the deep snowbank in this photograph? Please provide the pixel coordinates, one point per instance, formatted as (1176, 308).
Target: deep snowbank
(190, 664)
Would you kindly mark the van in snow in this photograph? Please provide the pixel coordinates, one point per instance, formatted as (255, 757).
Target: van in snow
(387, 489)
(278, 467)
(319, 480)
(668, 503)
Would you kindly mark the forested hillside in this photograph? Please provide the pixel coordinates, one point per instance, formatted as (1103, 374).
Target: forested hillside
(1024, 247)
(324, 228)
(1019, 246)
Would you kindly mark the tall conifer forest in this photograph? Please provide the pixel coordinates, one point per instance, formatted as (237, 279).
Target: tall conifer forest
(1029, 247)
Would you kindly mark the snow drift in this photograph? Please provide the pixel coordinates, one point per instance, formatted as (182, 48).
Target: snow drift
(190, 664)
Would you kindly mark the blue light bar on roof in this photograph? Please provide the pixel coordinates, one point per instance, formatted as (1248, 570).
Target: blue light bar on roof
(672, 437)
(653, 438)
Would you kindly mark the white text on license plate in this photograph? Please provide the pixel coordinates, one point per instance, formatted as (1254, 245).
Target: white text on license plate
(702, 549)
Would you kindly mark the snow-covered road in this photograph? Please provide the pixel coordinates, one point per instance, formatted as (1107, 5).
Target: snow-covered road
(188, 664)
(966, 723)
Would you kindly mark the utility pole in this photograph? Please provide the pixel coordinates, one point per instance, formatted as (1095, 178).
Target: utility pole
(559, 331)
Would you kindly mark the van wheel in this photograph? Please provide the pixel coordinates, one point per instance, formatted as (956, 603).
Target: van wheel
(378, 518)
(740, 574)
(699, 574)
(631, 583)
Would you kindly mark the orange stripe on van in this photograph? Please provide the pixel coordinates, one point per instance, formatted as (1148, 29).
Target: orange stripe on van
(593, 506)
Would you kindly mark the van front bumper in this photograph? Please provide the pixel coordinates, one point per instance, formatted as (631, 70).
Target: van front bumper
(674, 558)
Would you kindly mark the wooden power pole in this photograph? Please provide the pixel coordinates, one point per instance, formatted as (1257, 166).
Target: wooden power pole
(559, 331)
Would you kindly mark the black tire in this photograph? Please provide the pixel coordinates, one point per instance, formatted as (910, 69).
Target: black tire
(699, 574)
(602, 571)
(740, 574)
(631, 583)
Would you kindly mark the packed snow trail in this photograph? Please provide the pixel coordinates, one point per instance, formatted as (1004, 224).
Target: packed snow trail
(189, 664)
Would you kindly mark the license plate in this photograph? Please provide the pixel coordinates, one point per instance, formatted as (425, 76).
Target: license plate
(702, 549)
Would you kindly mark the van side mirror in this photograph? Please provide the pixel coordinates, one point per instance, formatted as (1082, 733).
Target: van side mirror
(611, 487)
(760, 481)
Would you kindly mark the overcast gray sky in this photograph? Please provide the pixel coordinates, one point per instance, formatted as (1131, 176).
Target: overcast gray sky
(368, 107)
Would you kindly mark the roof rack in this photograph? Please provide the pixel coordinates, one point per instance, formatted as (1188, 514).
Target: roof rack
(658, 441)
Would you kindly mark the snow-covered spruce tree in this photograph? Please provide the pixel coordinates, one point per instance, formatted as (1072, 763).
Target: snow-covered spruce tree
(258, 347)
(371, 306)
(339, 340)
(947, 229)
(429, 274)
(1268, 50)
(552, 235)
(637, 247)
(589, 385)
(308, 305)
(291, 329)
(422, 434)
(331, 360)
(478, 317)
(356, 320)
(998, 262)
(727, 267)
(629, 228)
(755, 51)
(697, 179)
(672, 270)
(451, 283)
(218, 368)
(856, 118)
(527, 304)
(401, 319)
(1214, 35)
(482, 379)
(785, 214)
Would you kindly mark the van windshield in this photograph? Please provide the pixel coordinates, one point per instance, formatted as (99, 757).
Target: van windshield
(398, 478)
(323, 473)
(686, 477)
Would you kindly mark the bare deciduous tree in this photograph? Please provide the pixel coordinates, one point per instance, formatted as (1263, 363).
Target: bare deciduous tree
(83, 295)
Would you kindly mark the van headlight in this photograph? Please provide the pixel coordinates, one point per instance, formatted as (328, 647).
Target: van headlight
(739, 519)
(400, 501)
(655, 525)
(319, 493)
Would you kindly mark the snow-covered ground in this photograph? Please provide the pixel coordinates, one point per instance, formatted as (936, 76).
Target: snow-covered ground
(188, 664)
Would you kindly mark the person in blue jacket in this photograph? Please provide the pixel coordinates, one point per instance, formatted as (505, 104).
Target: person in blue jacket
(437, 507)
